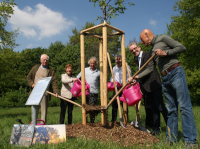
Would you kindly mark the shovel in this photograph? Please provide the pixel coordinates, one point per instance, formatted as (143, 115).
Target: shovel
(129, 82)
(118, 101)
(65, 99)
(137, 123)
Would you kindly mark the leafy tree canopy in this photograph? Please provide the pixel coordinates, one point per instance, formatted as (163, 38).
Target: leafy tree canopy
(7, 39)
(185, 28)
(114, 7)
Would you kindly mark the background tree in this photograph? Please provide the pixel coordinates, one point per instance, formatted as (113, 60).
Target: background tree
(7, 39)
(185, 28)
(9, 76)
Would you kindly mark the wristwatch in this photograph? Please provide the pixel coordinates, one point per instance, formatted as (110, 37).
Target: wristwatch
(167, 51)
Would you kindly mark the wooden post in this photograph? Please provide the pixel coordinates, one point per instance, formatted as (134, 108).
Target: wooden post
(83, 78)
(101, 78)
(105, 70)
(125, 107)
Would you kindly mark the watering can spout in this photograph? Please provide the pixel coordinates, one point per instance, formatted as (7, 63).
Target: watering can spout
(122, 99)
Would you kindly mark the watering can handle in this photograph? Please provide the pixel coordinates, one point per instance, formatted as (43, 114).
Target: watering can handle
(126, 88)
(87, 84)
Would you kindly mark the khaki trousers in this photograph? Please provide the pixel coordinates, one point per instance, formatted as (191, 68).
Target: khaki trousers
(44, 106)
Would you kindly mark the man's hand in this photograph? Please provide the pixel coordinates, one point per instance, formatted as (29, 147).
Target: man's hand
(136, 77)
(133, 81)
(56, 95)
(160, 53)
(33, 86)
(130, 79)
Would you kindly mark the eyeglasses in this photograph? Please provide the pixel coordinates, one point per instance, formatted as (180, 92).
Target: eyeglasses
(133, 49)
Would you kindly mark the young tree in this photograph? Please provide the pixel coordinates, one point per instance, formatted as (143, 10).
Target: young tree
(185, 28)
(113, 42)
(114, 8)
(7, 39)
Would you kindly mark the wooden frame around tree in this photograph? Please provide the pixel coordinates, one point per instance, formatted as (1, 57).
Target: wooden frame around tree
(103, 61)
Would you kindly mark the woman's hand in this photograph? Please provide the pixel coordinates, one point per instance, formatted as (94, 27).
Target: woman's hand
(74, 79)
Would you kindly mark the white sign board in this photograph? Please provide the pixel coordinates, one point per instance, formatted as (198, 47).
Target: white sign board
(38, 91)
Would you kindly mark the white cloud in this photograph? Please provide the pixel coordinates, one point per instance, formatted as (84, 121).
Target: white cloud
(29, 46)
(152, 22)
(39, 22)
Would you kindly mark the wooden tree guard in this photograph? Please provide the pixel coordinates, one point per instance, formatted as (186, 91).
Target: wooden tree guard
(83, 78)
(101, 76)
(125, 107)
(103, 68)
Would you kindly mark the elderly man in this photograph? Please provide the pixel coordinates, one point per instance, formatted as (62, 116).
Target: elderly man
(117, 71)
(92, 76)
(41, 71)
(174, 85)
(151, 88)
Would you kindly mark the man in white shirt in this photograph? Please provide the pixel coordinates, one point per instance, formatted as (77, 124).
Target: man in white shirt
(117, 71)
(92, 76)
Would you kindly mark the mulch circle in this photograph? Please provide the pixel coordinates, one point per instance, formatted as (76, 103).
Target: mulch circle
(111, 133)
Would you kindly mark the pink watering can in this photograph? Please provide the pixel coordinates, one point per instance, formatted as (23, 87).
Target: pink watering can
(131, 95)
(111, 86)
(76, 89)
(39, 123)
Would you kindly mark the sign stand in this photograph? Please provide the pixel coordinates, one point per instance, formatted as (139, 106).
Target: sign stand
(36, 96)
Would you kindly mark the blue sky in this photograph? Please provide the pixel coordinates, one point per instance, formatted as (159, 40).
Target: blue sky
(41, 22)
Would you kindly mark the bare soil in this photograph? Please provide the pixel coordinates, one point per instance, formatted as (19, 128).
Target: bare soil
(112, 133)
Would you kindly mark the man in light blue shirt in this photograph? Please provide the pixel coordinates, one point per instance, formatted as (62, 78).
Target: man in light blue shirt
(92, 76)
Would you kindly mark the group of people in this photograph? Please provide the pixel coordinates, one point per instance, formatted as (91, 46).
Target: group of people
(173, 86)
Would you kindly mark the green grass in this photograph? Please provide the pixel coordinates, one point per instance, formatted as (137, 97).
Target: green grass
(9, 115)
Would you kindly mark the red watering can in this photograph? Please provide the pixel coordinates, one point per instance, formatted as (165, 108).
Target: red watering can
(76, 89)
(111, 86)
(131, 95)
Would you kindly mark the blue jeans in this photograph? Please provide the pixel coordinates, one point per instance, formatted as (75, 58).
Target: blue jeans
(176, 92)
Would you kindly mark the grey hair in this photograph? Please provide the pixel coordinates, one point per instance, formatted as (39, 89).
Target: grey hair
(94, 58)
(118, 55)
(132, 43)
(43, 55)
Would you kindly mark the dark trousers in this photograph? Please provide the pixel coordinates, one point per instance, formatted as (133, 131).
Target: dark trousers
(91, 99)
(63, 106)
(156, 100)
(115, 106)
(149, 112)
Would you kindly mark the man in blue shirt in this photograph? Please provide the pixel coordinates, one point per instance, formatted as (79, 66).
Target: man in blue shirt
(92, 76)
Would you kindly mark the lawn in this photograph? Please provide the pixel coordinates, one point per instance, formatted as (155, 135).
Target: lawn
(9, 115)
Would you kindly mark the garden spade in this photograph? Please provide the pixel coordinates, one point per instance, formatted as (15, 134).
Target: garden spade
(65, 99)
(137, 123)
(118, 101)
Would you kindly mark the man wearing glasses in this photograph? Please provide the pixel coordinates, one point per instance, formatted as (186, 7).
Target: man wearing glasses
(151, 88)
(41, 71)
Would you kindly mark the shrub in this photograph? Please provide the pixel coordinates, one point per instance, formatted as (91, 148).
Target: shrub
(16, 98)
